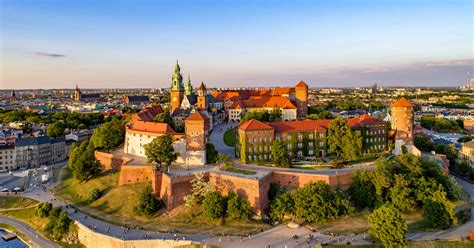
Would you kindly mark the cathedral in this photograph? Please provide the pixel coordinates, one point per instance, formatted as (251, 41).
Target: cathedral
(184, 101)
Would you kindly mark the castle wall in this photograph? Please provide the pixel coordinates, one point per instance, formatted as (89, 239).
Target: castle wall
(111, 161)
(135, 174)
(299, 180)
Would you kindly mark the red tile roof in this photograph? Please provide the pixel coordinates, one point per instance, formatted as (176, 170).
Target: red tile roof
(254, 125)
(300, 126)
(196, 116)
(152, 127)
(268, 102)
(363, 120)
(301, 84)
(148, 113)
(402, 102)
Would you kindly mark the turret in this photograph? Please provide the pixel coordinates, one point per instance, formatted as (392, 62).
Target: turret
(188, 90)
(301, 92)
(202, 97)
(177, 88)
(402, 120)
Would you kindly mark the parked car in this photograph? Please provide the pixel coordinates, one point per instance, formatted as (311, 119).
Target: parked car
(4, 189)
(16, 189)
(3, 171)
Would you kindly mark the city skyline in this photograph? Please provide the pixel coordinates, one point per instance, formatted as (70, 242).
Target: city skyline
(125, 44)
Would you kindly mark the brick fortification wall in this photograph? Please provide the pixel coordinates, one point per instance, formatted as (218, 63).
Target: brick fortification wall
(255, 191)
(135, 174)
(299, 180)
(111, 161)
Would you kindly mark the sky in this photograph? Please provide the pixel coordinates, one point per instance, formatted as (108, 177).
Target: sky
(232, 43)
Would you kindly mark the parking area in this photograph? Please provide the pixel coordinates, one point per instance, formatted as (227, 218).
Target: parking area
(11, 182)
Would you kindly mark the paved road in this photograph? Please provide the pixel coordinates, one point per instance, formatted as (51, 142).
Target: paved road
(217, 138)
(36, 240)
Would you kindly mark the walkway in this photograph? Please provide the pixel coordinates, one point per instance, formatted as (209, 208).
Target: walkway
(36, 240)
(217, 138)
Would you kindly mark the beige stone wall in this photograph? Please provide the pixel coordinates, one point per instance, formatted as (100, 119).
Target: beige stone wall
(135, 173)
(402, 122)
(111, 161)
(92, 239)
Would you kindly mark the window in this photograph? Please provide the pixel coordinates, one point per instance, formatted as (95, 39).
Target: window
(289, 146)
(300, 145)
(310, 136)
(310, 152)
(310, 144)
(300, 137)
(288, 137)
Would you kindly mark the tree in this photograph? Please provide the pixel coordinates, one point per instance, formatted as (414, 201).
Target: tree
(362, 189)
(318, 202)
(199, 190)
(58, 224)
(280, 154)
(225, 159)
(401, 195)
(42, 210)
(164, 117)
(352, 145)
(464, 139)
(211, 153)
(275, 115)
(161, 151)
(108, 135)
(82, 161)
(438, 211)
(283, 205)
(238, 208)
(213, 205)
(388, 226)
(94, 194)
(382, 178)
(318, 113)
(148, 203)
(56, 129)
(336, 131)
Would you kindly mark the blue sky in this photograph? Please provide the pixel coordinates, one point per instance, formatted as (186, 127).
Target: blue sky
(126, 43)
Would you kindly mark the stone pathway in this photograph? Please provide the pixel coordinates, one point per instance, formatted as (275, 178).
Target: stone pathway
(36, 239)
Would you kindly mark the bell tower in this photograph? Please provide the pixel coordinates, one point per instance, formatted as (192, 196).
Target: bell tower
(301, 92)
(202, 97)
(177, 88)
(188, 91)
(77, 94)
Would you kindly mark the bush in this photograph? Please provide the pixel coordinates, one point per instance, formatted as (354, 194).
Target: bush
(58, 224)
(438, 211)
(238, 208)
(388, 226)
(94, 194)
(211, 153)
(42, 210)
(148, 203)
(213, 205)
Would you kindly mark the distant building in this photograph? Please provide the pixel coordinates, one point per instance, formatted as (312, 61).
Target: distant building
(58, 149)
(33, 151)
(402, 121)
(80, 97)
(7, 157)
(467, 152)
(136, 100)
(293, 101)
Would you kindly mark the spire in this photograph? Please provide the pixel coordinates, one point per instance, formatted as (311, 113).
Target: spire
(202, 90)
(177, 79)
(188, 90)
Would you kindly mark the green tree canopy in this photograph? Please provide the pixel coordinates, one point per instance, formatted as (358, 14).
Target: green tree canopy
(108, 135)
(148, 203)
(388, 226)
(362, 189)
(237, 208)
(438, 211)
(161, 151)
(283, 205)
(82, 161)
(280, 154)
(213, 205)
(56, 129)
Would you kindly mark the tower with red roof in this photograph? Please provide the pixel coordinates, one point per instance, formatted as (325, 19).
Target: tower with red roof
(301, 93)
(402, 121)
(197, 131)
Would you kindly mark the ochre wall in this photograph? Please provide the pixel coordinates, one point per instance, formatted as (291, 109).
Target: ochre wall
(90, 238)
(110, 161)
(135, 174)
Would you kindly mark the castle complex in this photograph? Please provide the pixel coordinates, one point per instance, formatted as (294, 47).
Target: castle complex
(305, 139)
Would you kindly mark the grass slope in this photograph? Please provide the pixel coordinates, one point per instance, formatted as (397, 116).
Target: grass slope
(8, 202)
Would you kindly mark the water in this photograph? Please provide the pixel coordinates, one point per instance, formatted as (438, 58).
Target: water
(14, 243)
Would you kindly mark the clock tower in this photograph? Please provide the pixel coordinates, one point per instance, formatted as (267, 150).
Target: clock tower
(177, 88)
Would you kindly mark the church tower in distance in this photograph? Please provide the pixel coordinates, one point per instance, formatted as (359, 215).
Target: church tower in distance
(177, 88)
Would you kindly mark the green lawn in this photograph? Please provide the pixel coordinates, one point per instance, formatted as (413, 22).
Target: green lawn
(7, 202)
(117, 203)
(236, 170)
(229, 137)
